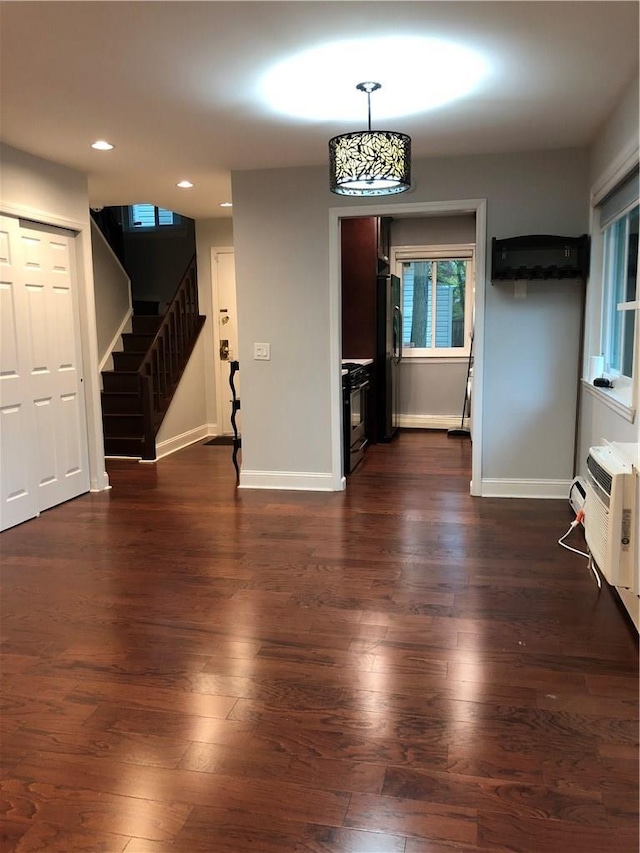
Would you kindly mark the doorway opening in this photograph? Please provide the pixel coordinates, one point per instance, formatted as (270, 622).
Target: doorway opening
(225, 333)
(409, 217)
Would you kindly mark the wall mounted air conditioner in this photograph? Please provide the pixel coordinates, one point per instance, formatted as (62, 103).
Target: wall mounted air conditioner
(609, 515)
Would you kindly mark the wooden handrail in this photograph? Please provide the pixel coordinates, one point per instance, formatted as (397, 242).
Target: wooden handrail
(168, 352)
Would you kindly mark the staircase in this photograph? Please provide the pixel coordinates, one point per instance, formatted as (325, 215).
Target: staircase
(137, 392)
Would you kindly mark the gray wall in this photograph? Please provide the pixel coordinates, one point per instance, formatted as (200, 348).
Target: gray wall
(433, 230)
(281, 239)
(432, 391)
(281, 235)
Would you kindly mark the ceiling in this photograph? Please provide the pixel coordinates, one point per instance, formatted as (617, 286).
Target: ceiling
(176, 85)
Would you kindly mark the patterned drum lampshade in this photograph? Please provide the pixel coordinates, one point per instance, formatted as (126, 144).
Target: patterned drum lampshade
(370, 162)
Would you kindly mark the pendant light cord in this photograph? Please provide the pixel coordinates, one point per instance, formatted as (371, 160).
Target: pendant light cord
(369, 88)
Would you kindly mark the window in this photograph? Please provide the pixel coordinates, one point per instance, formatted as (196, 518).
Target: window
(620, 295)
(437, 299)
(143, 216)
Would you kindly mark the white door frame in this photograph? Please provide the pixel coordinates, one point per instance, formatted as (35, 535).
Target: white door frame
(98, 478)
(436, 208)
(220, 390)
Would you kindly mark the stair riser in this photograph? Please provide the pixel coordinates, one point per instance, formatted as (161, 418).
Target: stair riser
(127, 360)
(145, 325)
(137, 343)
(114, 381)
(123, 426)
(121, 404)
(123, 447)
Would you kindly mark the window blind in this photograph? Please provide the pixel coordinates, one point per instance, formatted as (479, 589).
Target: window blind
(623, 196)
(165, 217)
(143, 216)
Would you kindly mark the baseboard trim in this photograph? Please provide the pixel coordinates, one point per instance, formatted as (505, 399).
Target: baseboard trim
(290, 481)
(100, 483)
(179, 442)
(507, 488)
(430, 422)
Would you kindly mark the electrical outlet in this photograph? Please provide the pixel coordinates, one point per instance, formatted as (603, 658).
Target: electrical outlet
(262, 352)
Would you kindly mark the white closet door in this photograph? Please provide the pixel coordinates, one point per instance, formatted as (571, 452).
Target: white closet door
(48, 391)
(18, 490)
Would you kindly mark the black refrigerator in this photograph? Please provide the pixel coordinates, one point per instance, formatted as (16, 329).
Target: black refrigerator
(388, 355)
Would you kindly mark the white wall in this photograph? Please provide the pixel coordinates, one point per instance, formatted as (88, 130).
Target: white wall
(617, 133)
(186, 418)
(617, 140)
(112, 292)
(38, 185)
(37, 189)
(531, 346)
(600, 423)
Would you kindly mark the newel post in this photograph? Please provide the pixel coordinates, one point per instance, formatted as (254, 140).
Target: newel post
(149, 439)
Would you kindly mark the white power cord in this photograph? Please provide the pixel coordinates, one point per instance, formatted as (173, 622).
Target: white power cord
(568, 547)
(589, 557)
(592, 566)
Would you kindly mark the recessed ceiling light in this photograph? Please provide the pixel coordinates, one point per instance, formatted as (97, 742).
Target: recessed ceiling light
(184, 184)
(102, 145)
(417, 74)
(226, 204)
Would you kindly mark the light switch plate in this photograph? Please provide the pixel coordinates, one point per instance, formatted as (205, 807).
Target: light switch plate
(262, 352)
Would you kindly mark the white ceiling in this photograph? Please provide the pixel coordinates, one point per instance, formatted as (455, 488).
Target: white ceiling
(175, 85)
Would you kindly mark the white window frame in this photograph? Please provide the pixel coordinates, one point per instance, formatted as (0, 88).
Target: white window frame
(622, 398)
(620, 380)
(459, 251)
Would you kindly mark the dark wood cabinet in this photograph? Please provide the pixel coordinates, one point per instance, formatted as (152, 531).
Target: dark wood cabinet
(359, 270)
(366, 252)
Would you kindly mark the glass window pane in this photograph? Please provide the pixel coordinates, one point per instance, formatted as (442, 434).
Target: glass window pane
(143, 216)
(450, 301)
(614, 283)
(165, 217)
(416, 284)
(628, 327)
(620, 286)
(629, 318)
(632, 259)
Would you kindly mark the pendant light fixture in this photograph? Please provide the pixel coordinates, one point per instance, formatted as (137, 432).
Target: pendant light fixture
(370, 162)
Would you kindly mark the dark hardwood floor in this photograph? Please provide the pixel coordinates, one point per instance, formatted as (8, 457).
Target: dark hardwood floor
(399, 668)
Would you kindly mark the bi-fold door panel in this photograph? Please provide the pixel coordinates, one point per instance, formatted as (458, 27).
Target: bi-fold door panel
(47, 336)
(18, 491)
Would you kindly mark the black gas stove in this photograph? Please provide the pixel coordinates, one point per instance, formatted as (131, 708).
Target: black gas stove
(355, 392)
(357, 376)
